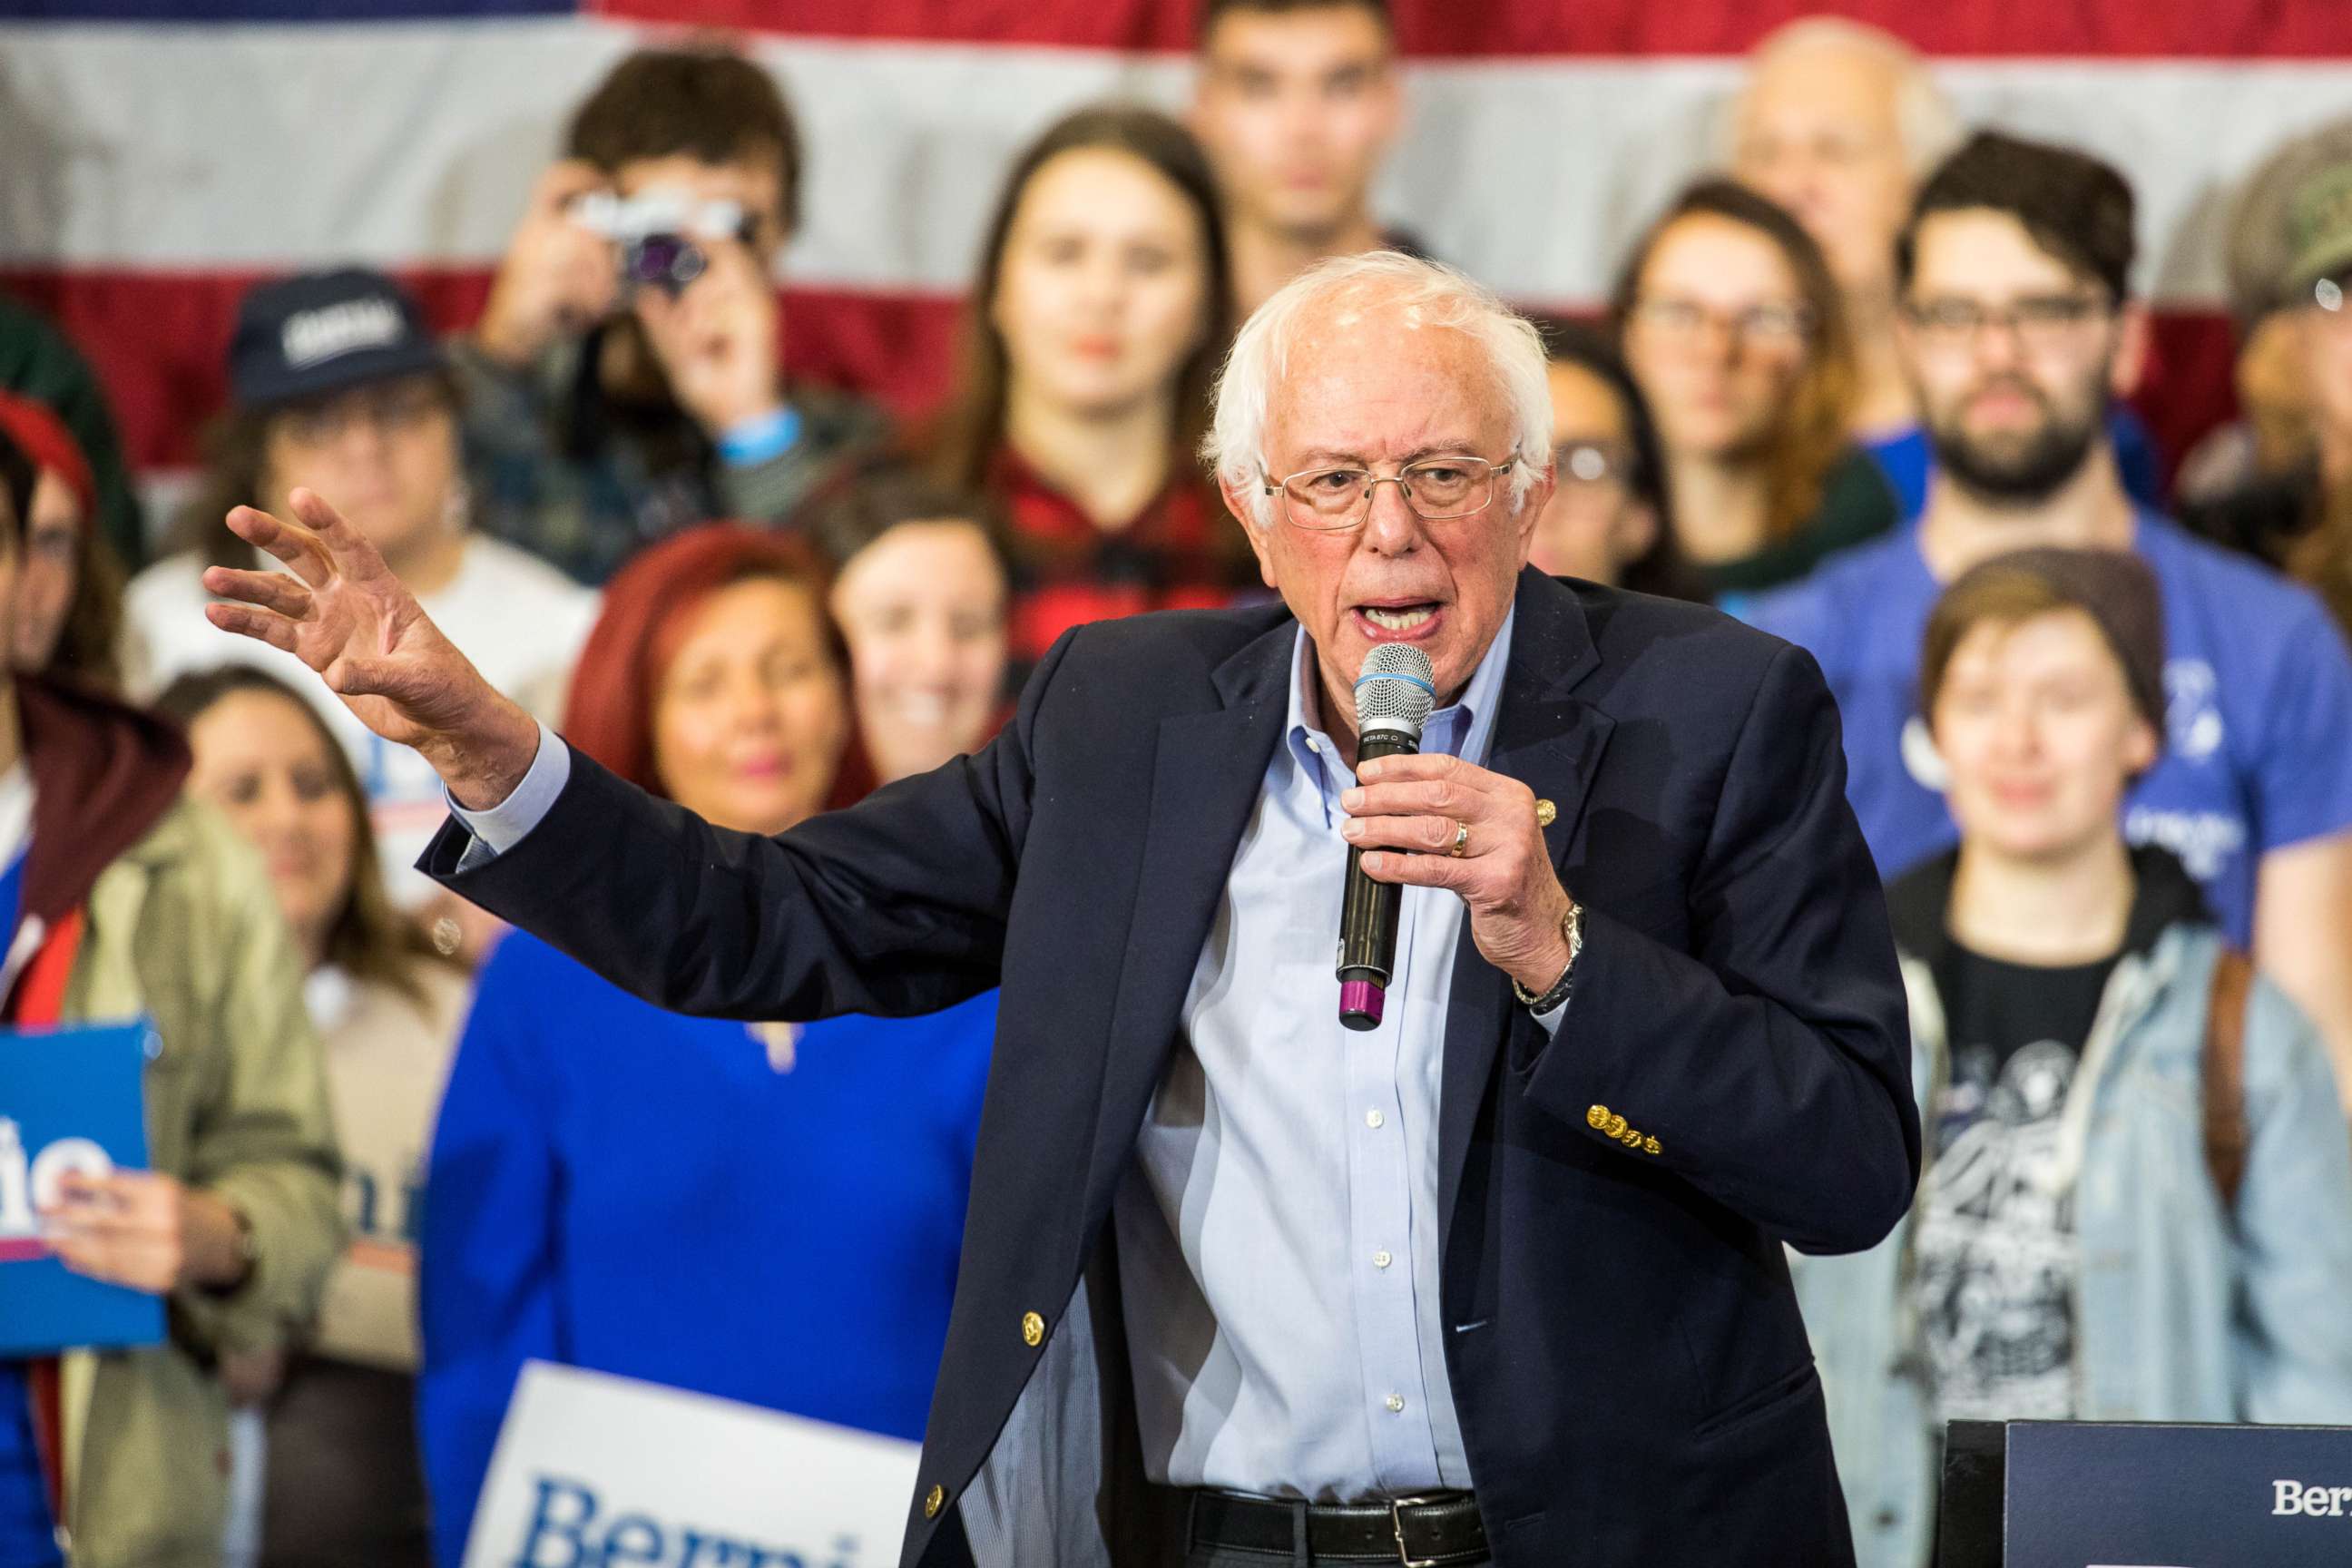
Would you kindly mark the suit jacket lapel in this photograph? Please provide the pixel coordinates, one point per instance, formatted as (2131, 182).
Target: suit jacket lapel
(1206, 778)
(1553, 743)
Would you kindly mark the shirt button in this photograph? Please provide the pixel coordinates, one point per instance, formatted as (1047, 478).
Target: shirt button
(1381, 1259)
(1314, 745)
(1374, 1119)
(1395, 1402)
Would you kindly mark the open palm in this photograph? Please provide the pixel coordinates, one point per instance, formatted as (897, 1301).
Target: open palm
(339, 609)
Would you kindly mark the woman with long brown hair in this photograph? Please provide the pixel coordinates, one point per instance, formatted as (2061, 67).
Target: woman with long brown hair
(1092, 332)
(1732, 323)
(341, 1481)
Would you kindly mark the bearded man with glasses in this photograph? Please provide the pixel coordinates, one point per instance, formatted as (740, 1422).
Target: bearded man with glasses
(1499, 1281)
(2018, 326)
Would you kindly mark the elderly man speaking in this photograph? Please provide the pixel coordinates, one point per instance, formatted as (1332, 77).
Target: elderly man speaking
(1498, 1280)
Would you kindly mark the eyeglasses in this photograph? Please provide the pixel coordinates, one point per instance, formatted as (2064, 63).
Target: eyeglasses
(2043, 322)
(1436, 489)
(396, 410)
(1588, 465)
(1769, 323)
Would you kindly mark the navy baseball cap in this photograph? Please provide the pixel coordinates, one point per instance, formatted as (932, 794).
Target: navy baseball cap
(318, 333)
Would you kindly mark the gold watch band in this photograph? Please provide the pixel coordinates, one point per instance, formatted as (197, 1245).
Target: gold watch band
(1571, 929)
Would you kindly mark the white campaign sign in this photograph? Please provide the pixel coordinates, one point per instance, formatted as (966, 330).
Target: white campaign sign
(593, 1470)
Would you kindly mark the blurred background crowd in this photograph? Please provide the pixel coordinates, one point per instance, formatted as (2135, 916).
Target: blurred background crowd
(818, 385)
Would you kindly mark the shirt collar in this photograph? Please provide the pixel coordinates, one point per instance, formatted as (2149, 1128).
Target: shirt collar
(1464, 729)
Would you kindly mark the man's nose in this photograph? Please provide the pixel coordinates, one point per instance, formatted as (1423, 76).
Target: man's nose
(1391, 527)
(1996, 344)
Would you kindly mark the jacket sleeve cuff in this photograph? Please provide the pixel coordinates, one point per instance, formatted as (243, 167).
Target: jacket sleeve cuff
(498, 828)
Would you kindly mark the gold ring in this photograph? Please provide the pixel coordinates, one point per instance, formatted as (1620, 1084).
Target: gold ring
(1460, 839)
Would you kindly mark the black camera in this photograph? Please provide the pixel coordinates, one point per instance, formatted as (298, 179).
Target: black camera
(660, 234)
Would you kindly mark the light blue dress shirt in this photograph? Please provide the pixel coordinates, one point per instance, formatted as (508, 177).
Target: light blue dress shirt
(1278, 1237)
(1278, 1233)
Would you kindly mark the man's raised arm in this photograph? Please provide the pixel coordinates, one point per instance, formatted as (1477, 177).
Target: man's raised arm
(896, 907)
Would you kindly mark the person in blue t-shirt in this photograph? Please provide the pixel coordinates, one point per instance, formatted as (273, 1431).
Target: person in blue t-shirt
(764, 1212)
(2017, 327)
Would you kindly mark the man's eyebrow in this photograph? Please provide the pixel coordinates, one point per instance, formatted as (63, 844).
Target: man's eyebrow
(1328, 456)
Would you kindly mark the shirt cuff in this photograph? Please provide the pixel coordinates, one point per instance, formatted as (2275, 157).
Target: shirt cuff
(500, 827)
(1550, 1021)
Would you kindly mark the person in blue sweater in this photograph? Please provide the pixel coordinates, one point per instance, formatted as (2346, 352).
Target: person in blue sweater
(764, 1212)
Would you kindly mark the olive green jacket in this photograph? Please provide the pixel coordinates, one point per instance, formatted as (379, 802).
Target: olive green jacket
(183, 927)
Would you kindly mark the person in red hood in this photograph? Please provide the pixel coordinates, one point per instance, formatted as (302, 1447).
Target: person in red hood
(119, 900)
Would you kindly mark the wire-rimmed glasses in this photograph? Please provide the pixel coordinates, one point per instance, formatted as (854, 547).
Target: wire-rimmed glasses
(1437, 489)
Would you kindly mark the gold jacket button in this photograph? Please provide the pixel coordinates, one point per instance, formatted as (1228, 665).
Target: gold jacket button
(1649, 1145)
(1598, 1117)
(1033, 1330)
(1546, 814)
(1615, 1127)
(934, 1501)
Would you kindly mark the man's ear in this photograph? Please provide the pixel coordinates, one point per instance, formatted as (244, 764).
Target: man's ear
(1238, 498)
(1532, 510)
(2132, 340)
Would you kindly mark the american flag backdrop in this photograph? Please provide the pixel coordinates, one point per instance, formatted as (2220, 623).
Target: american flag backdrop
(160, 154)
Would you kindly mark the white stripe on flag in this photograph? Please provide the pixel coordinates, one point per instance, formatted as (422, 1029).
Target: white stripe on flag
(197, 148)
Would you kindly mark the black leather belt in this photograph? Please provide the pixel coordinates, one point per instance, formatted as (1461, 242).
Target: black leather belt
(1438, 1529)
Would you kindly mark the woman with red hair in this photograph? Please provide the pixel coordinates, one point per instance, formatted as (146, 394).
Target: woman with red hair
(604, 1172)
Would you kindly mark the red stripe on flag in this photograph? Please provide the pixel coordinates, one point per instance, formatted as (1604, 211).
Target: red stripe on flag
(158, 340)
(2113, 30)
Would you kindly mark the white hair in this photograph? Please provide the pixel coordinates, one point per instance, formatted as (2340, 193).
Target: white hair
(1924, 120)
(1423, 294)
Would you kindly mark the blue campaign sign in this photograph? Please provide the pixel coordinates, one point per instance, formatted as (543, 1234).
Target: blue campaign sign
(70, 1099)
(2085, 1495)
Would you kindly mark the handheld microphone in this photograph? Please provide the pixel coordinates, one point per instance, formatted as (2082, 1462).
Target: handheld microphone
(1395, 692)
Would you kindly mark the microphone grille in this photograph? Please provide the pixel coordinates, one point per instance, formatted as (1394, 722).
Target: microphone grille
(1395, 690)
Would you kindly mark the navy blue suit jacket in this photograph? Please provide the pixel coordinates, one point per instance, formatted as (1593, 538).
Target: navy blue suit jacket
(1633, 1379)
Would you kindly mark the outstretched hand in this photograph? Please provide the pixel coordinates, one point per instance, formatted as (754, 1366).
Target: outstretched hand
(341, 612)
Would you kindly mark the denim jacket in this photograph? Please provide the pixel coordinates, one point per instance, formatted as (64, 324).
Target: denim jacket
(2183, 1311)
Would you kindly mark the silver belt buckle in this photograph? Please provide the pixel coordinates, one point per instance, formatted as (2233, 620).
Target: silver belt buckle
(1397, 1506)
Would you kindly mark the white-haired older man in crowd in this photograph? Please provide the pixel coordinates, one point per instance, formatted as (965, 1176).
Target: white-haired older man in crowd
(1841, 122)
(1498, 1280)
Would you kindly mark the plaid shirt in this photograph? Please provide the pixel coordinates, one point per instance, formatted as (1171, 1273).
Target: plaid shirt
(560, 470)
(1069, 571)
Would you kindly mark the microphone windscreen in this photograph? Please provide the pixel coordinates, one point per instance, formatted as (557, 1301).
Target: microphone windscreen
(1395, 690)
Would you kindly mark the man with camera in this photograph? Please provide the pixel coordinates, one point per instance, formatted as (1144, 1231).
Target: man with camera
(624, 379)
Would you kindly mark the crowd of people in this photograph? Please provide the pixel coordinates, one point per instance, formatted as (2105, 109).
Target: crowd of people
(1863, 385)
